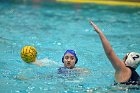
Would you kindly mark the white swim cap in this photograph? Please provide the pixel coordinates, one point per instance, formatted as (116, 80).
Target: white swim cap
(133, 59)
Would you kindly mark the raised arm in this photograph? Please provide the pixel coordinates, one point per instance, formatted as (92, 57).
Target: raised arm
(116, 62)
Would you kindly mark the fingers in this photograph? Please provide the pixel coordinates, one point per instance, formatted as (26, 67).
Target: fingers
(92, 23)
(94, 26)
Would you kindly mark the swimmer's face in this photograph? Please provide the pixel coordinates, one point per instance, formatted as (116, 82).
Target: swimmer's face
(69, 60)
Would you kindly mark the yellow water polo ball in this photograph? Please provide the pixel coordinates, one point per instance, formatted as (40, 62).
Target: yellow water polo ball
(28, 54)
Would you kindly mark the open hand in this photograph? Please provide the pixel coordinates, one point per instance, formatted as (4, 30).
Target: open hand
(94, 26)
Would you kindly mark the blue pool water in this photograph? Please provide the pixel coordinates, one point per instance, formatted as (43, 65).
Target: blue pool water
(53, 28)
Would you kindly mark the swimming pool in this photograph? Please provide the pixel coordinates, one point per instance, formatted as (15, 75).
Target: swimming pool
(53, 28)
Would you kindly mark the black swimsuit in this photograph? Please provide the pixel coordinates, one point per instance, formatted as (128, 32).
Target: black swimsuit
(134, 79)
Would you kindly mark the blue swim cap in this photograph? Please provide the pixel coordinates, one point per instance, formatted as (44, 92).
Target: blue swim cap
(71, 52)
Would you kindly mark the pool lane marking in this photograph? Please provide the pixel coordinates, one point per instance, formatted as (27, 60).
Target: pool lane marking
(103, 2)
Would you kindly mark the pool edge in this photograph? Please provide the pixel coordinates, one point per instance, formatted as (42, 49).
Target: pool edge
(103, 2)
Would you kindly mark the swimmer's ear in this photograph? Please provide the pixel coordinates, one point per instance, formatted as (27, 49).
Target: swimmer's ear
(125, 57)
(76, 60)
(63, 59)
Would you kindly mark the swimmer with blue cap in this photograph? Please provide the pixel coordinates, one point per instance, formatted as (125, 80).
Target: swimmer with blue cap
(124, 69)
(69, 59)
